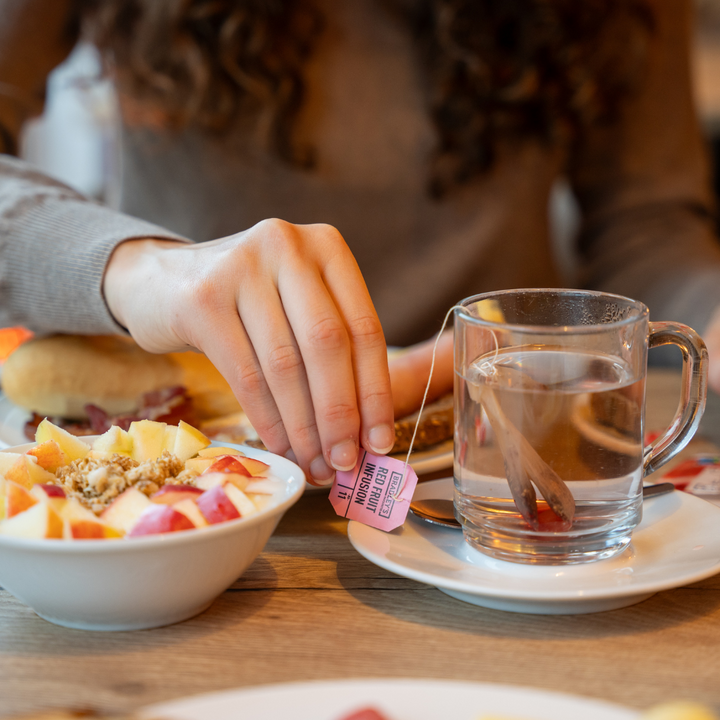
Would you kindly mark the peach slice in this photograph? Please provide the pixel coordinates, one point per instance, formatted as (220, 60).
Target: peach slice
(38, 521)
(7, 460)
(79, 523)
(74, 448)
(17, 499)
(49, 455)
(27, 472)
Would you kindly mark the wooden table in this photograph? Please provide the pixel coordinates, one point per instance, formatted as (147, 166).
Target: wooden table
(312, 608)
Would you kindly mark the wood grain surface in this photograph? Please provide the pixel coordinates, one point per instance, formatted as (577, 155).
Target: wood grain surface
(312, 608)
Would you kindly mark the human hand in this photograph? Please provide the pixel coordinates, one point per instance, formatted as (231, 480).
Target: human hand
(410, 368)
(283, 312)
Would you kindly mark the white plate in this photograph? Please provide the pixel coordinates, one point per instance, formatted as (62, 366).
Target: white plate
(398, 699)
(430, 460)
(12, 424)
(677, 542)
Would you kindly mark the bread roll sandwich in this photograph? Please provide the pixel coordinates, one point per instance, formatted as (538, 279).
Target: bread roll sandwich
(84, 382)
(87, 383)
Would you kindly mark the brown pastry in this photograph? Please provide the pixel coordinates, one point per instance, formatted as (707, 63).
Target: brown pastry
(436, 425)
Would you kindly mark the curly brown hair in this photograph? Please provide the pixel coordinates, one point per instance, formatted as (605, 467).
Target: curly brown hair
(495, 69)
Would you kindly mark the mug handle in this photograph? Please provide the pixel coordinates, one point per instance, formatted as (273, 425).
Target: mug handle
(693, 393)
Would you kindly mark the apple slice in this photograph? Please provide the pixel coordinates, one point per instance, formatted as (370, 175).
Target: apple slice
(27, 472)
(199, 464)
(257, 468)
(207, 481)
(49, 456)
(53, 494)
(172, 494)
(124, 511)
(7, 460)
(114, 441)
(17, 499)
(216, 506)
(240, 500)
(210, 452)
(189, 508)
(74, 448)
(79, 523)
(39, 521)
(159, 519)
(148, 438)
(188, 441)
(171, 432)
(229, 464)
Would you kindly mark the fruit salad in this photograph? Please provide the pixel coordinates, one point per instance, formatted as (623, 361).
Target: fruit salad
(152, 478)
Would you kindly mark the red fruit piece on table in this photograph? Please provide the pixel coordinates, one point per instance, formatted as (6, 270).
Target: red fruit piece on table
(159, 519)
(216, 506)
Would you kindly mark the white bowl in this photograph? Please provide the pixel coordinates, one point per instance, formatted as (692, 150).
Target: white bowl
(142, 582)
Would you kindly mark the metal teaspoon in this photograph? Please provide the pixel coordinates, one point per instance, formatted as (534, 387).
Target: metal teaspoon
(442, 512)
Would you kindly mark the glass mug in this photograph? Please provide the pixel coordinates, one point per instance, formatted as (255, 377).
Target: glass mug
(549, 420)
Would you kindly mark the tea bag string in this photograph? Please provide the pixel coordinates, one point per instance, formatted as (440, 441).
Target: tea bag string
(488, 367)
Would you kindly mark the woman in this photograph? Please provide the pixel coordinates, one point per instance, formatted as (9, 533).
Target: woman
(425, 134)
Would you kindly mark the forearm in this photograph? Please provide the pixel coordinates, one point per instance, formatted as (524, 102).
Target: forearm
(54, 248)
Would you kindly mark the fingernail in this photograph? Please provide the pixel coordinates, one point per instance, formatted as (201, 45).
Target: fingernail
(320, 472)
(290, 455)
(381, 439)
(343, 456)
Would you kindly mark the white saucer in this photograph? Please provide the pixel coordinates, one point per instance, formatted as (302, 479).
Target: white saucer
(677, 543)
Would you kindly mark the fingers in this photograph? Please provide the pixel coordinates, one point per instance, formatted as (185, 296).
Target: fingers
(343, 349)
(283, 312)
(282, 366)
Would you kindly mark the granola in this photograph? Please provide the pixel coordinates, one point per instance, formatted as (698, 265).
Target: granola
(96, 482)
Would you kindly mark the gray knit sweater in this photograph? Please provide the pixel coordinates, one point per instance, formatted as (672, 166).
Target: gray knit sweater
(642, 184)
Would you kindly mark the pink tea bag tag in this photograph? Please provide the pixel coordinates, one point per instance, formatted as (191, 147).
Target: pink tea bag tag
(377, 492)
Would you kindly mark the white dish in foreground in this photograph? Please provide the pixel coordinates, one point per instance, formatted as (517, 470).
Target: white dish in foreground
(677, 543)
(398, 699)
(142, 582)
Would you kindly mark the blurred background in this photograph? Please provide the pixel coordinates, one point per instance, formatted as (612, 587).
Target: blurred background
(77, 139)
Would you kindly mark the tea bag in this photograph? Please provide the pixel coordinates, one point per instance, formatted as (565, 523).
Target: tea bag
(523, 465)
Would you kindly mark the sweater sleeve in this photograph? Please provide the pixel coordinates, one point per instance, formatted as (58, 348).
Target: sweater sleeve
(644, 188)
(54, 247)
